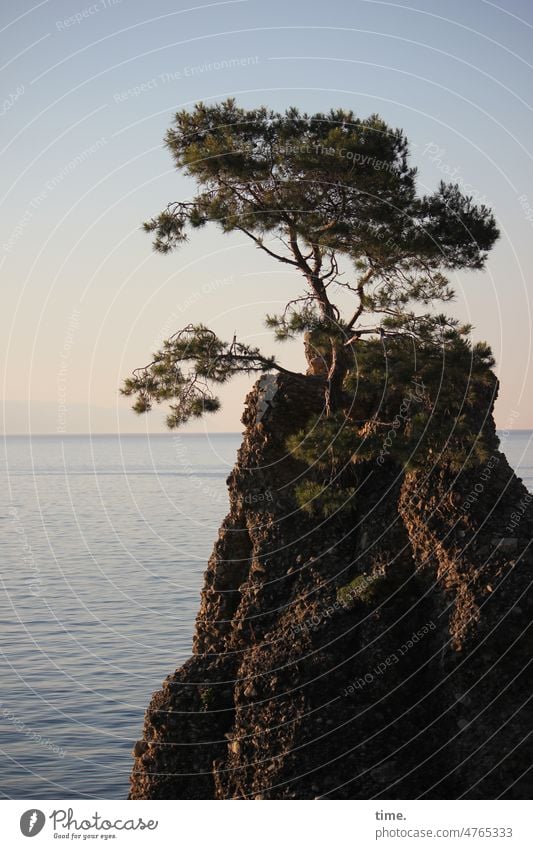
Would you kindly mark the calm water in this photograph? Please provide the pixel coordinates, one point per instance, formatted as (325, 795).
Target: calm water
(104, 543)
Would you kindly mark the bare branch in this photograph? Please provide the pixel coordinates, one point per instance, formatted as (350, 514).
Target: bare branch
(260, 244)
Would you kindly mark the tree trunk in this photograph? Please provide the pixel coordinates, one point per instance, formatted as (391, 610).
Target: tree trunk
(337, 372)
(316, 361)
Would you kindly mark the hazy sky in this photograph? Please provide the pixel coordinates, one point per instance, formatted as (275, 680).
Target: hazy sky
(88, 90)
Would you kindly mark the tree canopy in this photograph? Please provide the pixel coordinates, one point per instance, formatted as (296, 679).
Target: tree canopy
(314, 192)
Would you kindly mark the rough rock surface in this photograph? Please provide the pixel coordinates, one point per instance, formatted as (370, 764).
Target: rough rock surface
(386, 654)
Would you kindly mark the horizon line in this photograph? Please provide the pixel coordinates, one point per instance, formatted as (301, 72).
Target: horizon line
(189, 433)
(128, 433)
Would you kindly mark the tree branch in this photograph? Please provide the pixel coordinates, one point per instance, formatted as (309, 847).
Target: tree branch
(360, 291)
(263, 247)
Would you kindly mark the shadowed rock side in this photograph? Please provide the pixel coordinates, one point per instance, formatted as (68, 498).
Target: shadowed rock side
(379, 652)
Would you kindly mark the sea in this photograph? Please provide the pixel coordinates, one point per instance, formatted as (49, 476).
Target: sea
(105, 540)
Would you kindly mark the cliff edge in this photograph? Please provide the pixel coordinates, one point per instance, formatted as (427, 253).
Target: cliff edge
(383, 651)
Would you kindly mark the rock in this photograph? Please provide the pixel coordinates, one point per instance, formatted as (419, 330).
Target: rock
(256, 631)
(267, 388)
(139, 748)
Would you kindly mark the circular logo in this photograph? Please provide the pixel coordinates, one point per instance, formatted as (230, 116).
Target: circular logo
(32, 822)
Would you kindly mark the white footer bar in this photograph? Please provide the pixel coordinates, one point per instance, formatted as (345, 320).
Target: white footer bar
(268, 825)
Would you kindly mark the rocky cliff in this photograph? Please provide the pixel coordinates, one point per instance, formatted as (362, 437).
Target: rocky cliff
(379, 653)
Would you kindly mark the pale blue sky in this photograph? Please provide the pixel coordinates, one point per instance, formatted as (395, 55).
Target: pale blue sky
(85, 104)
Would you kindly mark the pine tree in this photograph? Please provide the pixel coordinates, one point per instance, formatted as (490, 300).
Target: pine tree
(314, 192)
(414, 405)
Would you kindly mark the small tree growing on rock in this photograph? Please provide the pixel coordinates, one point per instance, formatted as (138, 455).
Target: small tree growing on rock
(313, 192)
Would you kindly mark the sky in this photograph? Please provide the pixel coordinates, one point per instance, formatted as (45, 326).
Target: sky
(88, 91)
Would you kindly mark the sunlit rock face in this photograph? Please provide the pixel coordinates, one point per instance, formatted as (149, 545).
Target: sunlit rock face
(383, 651)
